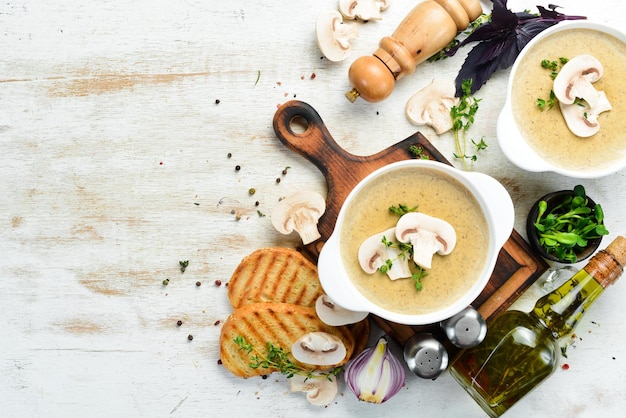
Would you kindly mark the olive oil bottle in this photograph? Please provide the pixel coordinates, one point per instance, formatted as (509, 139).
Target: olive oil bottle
(521, 349)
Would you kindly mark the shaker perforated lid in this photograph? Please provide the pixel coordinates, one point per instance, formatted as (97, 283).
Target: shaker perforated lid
(425, 355)
(465, 329)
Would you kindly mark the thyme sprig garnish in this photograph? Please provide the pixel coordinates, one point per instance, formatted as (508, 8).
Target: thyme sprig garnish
(405, 250)
(463, 115)
(554, 66)
(277, 358)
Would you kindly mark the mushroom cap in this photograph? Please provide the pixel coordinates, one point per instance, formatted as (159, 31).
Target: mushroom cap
(300, 212)
(427, 234)
(320, 390)
(362, 9)
(575, 80)
(319, 349)
(372, 253)
(333, 36)
(582, 120)
(332, 314)
(431, 105)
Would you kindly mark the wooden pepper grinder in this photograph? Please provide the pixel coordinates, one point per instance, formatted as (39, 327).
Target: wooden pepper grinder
(427, 29)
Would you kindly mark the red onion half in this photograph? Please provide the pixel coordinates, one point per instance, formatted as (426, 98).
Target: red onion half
(375, 375)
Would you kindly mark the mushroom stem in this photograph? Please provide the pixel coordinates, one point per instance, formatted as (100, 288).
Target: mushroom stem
(306, 225)
(425, 244)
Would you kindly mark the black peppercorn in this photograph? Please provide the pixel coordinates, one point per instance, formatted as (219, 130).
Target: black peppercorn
(190, 337)
(198, 283)
(179, 322)
(237, 167)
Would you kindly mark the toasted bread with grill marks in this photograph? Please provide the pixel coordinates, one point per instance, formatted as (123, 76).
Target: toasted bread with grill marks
(281, 324)
(274, 274)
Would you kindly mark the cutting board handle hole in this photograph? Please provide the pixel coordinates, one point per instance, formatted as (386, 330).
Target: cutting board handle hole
(298, 125)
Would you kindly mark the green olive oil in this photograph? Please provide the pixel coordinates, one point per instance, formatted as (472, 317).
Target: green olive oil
(521, 349)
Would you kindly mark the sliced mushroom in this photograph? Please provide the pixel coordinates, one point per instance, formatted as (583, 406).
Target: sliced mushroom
(431, 105)
(373, 254)
(320, 390)
(319, 349)
(333, 36)
(332, 314)
(428, 235)
(363, 9)
(300, 212)
(581, 119)
(576, 79)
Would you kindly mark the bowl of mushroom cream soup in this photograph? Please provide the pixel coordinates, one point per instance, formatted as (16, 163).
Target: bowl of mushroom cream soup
(565, 104)
(416, 242)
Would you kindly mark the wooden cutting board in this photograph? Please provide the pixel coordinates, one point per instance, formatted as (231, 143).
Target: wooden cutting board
(302, 130)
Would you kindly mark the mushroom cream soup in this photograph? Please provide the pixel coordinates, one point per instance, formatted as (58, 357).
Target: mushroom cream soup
(546, 130)
(435, 194)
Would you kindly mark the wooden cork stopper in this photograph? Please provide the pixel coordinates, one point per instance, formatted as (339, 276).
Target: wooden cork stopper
(607, 265)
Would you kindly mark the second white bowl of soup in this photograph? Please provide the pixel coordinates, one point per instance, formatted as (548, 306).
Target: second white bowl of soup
(539, 140)
(476, 205)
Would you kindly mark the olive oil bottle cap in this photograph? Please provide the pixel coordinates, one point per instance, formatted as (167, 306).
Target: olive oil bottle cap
(608, 265)
(617, 248)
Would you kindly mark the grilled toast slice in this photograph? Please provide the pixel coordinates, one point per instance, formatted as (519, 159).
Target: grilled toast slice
(280, 324)
(274, 274)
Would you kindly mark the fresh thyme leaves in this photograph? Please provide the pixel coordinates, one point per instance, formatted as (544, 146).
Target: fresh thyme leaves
(418, 152)
(565, 229)
(554, 66)
(183, 265)
(277, 358)
(500, 40)
(401, 209)
(417, 277)
(463, 115)
(548, 104)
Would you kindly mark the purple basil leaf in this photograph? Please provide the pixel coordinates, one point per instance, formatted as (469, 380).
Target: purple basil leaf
(501, 40)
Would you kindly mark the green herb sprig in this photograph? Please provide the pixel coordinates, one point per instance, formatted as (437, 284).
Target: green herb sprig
(554, 66)
(463, 115)
(566, 229)
(277, 358)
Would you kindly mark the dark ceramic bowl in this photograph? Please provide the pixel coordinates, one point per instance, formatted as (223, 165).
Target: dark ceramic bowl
(553, 199)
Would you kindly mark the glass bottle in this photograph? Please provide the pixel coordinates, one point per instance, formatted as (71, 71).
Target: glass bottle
(521, 349)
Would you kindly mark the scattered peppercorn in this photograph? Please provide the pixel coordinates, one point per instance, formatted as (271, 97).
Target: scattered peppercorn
(190, 337)
(257, 203)
(278, 180)
(179, 322)
(198, 284)
(237, 167)
(313, 76)
(166, 282)
(264, 376)
(217, 322)
(251, 191)
(565, 366)
(217, 101)
(219, 361)
(218, 283)
(230, 154)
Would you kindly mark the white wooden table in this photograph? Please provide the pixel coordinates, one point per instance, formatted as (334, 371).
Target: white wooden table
(116, 122)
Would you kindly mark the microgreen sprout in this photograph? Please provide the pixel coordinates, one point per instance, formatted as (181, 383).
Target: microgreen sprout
(566, 229)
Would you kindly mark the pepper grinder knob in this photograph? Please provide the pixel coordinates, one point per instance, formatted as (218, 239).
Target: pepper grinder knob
(426, 30)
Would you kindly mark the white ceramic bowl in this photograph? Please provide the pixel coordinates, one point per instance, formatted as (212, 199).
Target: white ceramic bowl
(519, 150)
(498, 211)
